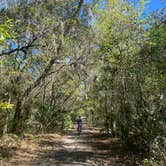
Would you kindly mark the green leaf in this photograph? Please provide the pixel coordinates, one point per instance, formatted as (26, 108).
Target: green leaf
(6, 105)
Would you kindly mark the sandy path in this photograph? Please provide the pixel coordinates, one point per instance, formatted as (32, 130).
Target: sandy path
(71, 150)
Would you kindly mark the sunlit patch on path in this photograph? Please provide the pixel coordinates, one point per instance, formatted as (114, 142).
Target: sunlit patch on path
(87, 149)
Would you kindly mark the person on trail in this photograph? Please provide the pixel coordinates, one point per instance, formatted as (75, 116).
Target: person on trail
(79, 125)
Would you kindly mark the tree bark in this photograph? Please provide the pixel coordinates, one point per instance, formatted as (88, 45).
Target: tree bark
(16, 118)
(20, 101)
(5, 128)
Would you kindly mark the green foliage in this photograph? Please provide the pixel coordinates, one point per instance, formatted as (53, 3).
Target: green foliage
(68, 122)
(6, 31)
(110, 69)
(5, 105)
(130, 82)
(150, 162)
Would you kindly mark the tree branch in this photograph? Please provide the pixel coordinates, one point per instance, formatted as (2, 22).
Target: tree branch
(40, 78)
(23, 48)
(81, 2)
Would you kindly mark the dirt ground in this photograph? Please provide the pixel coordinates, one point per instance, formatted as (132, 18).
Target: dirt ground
(87, 149)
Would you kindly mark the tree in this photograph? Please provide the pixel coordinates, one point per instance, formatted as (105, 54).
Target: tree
(5, 33)
(49, 43)
(122, 84)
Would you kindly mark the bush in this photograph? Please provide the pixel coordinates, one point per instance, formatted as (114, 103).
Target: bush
(158, 149)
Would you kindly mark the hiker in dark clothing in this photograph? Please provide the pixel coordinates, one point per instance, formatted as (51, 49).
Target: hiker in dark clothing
(79, 125)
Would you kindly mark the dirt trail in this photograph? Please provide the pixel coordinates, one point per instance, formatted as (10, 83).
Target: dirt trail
(88, 149)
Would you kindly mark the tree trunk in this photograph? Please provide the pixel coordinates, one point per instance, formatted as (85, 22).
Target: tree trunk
(5, 128)
(106, 114)
(43, 95)
(16, 120)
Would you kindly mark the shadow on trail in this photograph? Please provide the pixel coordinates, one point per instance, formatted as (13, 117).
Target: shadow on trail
(64, 157)
(88, 149)
(73, 150)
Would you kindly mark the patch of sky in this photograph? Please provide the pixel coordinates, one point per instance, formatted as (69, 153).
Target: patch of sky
(154, 5)
(151, 5)
(37, 51)
(5, 3)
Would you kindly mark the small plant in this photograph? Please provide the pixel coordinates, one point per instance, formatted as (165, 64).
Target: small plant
(158, 149)
(68, 122)
(150, 162)
(5, 105)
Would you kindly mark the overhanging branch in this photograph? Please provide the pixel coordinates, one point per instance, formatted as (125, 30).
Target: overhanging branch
(23, 48)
